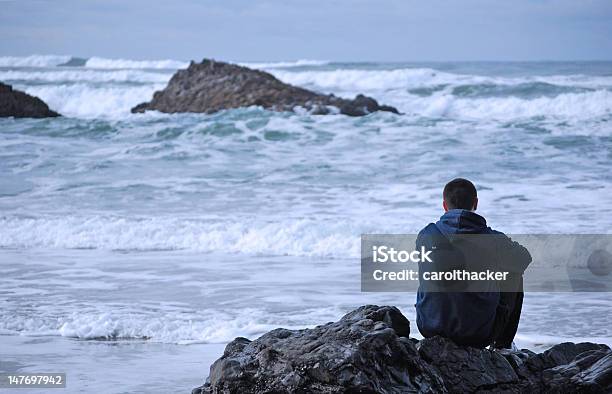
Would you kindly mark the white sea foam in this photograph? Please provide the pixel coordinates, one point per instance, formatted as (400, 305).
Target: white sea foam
(85, 75)
(105, 63)
(570, 106)
(393, 87)
(82, 100)
(100, 62)
(86, 101)
(166, 327)
(297, 63)
(300, 237)
(368, 80)
(411, 78)
(33, 61)
(169, 325)
(296, 238)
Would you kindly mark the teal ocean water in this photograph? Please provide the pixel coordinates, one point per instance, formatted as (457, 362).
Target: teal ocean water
(139, 239)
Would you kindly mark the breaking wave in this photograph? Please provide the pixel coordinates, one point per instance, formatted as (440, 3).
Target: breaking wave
(178, 327)
(33, 61)
(86, 101)
(100, 62)
(570, 106)
(102, 87)
(75, 75)
(297, 63)
(289, 237)
(431, 93)
(106, 63)
(412, 78)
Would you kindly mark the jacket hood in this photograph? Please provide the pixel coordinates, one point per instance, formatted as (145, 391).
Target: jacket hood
(462, 221)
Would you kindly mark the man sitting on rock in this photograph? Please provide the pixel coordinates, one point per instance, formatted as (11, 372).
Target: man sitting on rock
(489, 315)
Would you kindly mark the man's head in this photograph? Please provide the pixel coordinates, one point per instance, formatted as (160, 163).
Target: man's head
(459, 194)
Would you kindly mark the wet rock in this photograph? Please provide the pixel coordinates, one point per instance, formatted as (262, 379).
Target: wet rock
(368, 351)
(212, 86)
(21, 105)
(588, 372)
(466, 369)
(360, 353)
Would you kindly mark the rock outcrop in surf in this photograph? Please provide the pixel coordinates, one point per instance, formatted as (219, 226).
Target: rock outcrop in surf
(21, 105)
(212, 86)
(369, 351)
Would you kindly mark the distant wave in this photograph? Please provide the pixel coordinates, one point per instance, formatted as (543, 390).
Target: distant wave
(60, 75)
(93, 62)
(570, 106)
(297, 63)
(349, 79)
(410, 78)
(33, 61)
(432, 93)
(100, 62)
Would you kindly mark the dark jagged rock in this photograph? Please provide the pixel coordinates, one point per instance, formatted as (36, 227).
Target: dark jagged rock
(74, 62)
(589, 372)
(368, 351)
(466, 369)
(22, 105)
(471, 370)
(213, 86)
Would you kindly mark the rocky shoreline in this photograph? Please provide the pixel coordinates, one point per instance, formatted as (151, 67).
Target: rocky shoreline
(369, 351)
(21, 105)
(212, 86)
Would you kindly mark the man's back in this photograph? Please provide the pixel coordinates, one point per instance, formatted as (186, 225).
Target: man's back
(466, 317)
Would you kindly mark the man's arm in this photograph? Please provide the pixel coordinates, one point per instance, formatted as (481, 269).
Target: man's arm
(514, 256)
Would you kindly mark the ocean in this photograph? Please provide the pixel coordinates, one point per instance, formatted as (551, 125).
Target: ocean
(133, 247)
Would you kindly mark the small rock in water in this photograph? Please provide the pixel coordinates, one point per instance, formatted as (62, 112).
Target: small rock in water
(213, 86)
(21, 105)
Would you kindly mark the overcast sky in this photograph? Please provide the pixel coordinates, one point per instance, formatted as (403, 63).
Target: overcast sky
(376, 30)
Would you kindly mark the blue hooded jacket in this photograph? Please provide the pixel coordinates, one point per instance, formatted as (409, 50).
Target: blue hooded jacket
(465, 317)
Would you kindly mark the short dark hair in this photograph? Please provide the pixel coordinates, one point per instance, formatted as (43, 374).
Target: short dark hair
(459, 194)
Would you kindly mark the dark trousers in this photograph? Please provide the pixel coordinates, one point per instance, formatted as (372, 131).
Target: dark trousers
(508, 315)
